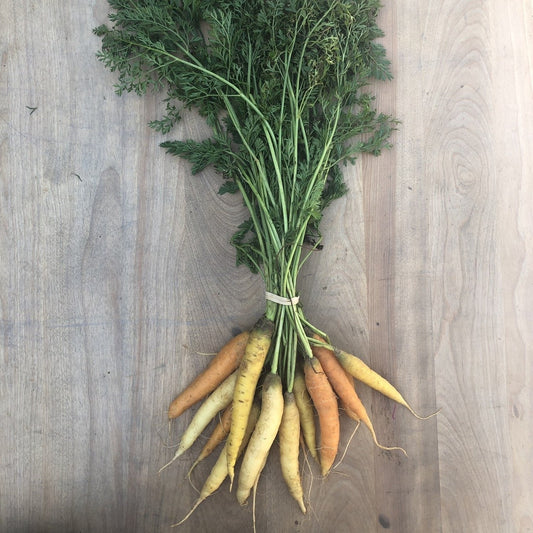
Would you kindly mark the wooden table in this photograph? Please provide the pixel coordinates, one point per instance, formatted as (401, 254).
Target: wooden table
(116, 276)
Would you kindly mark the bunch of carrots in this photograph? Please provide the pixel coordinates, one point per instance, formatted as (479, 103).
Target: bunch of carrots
(253, 410)
(284, 87)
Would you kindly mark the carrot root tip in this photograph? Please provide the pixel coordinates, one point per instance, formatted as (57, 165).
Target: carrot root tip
(186, 517)
(194, 465)
(392, 448)
(176, 455)
(424, 417)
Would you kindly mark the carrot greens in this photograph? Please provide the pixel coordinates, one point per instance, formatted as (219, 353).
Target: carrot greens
(281, 83)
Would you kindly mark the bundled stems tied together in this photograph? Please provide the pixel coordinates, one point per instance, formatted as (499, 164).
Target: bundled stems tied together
(283, 85)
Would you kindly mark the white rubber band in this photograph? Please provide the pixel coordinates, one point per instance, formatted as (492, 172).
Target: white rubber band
(281, 300)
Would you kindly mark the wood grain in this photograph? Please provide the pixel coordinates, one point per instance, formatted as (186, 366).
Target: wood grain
(116, 276)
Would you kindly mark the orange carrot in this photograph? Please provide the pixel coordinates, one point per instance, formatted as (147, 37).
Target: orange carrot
(220, 367)
(326, 405)
(345, 389)
(342, 403)
(349, 413)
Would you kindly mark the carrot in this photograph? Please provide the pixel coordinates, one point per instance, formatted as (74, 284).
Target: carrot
(216, 477)
(345, 389)
(349, 413)
(248, 375)
(217, 436)
(218, 400)
(219, 472)
(361, 371)
(327, 408)
(220, 367)
(305, 410)
(342, 403)
(289, 448)
(262, 437)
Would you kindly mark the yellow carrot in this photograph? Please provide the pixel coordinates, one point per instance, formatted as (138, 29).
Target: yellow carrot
(219, 472)
(218, 400)
(247, 378)
(306, 412)
(218, 435)
(289, 448)
(362, 372)
(262, 437)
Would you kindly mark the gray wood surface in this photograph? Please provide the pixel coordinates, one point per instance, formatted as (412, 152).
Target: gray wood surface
(116, 276)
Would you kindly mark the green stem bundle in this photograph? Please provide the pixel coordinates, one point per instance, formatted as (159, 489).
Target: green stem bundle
(282, 85)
